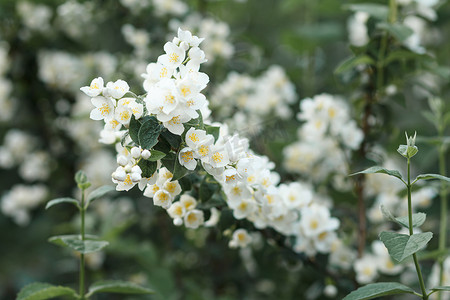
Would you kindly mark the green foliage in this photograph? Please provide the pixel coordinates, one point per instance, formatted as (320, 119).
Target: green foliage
(133, 129)
(62, 200)
(117, 286)
(377, 169)
(149, 133)
(41, 291)
(99, 192)
(399, 31)
(207, 189)
(214, 130)
(379, 289)
(354, 61)
(173, 139)
(401, 246)
(417, 220)
(148, 167)
(407, 151)
(431, 176)
(156, 155)
(81, 180)
(76, 243)
(378, 11)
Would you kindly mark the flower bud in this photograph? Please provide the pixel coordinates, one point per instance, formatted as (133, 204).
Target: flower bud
(177, 222)
(146, 154)
(136, 169)
(135, 177)
(122, 160)
(119, 174)
(135, 152)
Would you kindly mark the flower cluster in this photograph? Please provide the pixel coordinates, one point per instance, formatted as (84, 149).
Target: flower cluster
(166, 133)
(215, 33)
(249, 100)
(326, 139)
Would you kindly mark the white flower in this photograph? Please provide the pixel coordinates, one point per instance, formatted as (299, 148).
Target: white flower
(104, 108)
(176, 210)
(366, 269)
(219, 157)
(95, 88)
(187, 37)
(194, 218)
(175, 123)
(174, 56)
(123, 115)
(186, 158)
(117, 89)
(240, 239)
(162, 198)
(155, 73)
(189, 203)
(172, 187)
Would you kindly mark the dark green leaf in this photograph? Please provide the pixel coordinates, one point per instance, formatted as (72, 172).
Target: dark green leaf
(399, 31)
(156, 155)
(133, 129)
(353, 62)
(207, 189)
(148, 167)
(116, 286)
(400, 246)
(213, 130)
(99, 192)
(173, 139)
(149, 133)
(431, 176)
(169, 161)
(185, 183)
(377, 169)
(41, 291)
(378, 11)
(178, 170)
(74, 242)
(417, 220)
(162, 146)
(62, 200)
(402, 55)
(379, 289)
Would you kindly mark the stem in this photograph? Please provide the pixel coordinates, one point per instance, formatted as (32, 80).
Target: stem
(82, 211)
(361, 215)
(444, 209)
(416, 262)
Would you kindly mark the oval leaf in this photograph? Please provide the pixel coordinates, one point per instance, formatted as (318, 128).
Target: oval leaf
(75, 243)
(417, 220)
(353, 62)
(116, 286)
(379, 289)
(378, 11)
(149, 133)
(400, 246)
(40, 291)
(99, 192)
(62, 200)
(399, 31)
(377, 169)
(148, 167)
(431, 176)
(156, 155)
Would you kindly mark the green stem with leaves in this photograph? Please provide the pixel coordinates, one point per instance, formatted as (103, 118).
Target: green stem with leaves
(444, 209)
(416, 261)
(82, 212)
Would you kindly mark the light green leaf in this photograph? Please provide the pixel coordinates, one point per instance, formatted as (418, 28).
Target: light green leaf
(41, 291)
(379, 289)
(377, 169)
(62, 200)
(417, 220)
(400, 246)
(399, 31)
(149, 133)
(80, 177)
(378, 11)
(352, 62)
(116, 286)
(407, 151)
(156, 155)
(431, 176)
(440, 288)
(74, 242)
(99, 192)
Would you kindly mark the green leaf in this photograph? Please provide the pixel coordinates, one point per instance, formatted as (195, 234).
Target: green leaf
(379, 289)
(178, 170)
(402, 55)
(99, 192)
(431, 176)
(133, 129)
(62, 200)
(407, 151)
(213, 130)
(117, 286)
(74, 242)
(40, 291)
(441, 288)
(400, 246)
(149, 133)
(399, 31)
(352, 62)
(417, 220)
(156, 155)
(80, 177)
(377, 11)
(148, 167)
(377, 169)
(207, 189)
(169, 161)
(173, 139)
